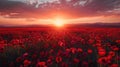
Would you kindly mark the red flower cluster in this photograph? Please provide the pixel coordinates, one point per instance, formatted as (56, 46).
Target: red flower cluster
(83, 47)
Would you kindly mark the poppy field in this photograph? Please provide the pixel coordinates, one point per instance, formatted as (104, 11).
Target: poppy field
(76, 47)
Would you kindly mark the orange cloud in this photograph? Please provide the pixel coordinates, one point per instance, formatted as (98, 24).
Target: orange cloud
(34, 21)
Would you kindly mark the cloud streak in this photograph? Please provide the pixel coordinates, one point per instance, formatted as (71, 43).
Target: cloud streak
(17, 12)
(48, 8)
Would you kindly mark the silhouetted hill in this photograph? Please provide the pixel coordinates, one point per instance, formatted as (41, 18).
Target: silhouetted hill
(116, 25)
(98, 24)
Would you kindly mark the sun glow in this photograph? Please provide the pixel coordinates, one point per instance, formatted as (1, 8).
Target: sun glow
(59, 22)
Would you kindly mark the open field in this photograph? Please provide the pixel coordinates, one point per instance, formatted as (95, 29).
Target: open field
(69, 47)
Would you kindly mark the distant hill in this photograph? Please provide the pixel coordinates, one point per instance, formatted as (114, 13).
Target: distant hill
(98, 24)
(116, 25)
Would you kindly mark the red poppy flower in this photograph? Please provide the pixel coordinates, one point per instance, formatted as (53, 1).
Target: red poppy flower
(49, 61)
(51, 57)
(115, 48)
(1, 50)
(118, 58)
(34, 56)
(64, 64)
(19, 59)
(101, 52)
(67, 50)
(61, 44)
(58, 59)
(109, 57)
(111, 53)
(25, 55)
(101, 60)
(75, 60)
(114, 65)
(73, 50)
(118, 41)
(26, 63)
(89, 51)
(98, 44)
(2, 45)
(80, 50)
(91, 41)
(41, 64)
(85, 64)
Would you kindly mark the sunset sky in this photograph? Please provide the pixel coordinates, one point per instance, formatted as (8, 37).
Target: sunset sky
(30, 12)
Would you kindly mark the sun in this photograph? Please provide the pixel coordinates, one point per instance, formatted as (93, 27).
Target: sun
(59, 22)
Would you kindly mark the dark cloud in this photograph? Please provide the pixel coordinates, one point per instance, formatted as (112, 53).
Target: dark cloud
(72, 8)
(102, 5)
